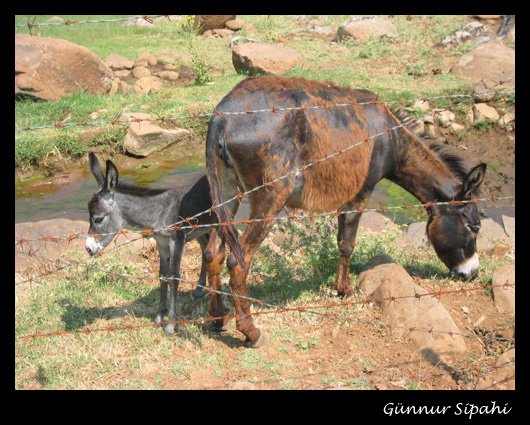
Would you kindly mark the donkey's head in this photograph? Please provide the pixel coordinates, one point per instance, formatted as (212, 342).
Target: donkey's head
(453, 229)
(105, 216)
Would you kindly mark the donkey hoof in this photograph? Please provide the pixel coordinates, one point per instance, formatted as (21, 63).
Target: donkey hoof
(169, 329)
(260, 342)
(158, 319)
(198, 292)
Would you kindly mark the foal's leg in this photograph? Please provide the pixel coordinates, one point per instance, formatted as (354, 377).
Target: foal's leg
(176, 247)
(163, 252)
(200, 290)
(262, 205)
(348, 224)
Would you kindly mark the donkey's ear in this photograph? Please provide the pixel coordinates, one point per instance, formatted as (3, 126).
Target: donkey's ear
(473, 180)
(96, 169)
(111, 180)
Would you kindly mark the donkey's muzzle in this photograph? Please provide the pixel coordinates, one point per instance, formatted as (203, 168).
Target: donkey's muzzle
(92, 246)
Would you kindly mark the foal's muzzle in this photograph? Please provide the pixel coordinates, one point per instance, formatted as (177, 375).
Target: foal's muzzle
(92, 246)
(468, 269)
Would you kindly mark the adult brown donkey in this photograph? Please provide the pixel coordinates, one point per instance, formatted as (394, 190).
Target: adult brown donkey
(244, 151)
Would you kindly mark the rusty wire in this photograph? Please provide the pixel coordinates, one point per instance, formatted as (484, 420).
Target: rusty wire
(32, 24)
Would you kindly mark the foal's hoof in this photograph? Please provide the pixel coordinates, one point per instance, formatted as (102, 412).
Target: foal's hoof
(260, 342)
(158, 319)
(169, 329)
(198, 292)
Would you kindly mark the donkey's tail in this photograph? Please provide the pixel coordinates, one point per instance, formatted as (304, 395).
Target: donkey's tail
(224, 215)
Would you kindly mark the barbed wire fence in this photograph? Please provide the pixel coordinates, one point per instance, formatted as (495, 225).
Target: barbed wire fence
(189, 223)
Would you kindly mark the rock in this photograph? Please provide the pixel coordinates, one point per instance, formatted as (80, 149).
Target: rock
(474, 32)
(417, 234)
(234, 24)
(223, 32)
(208, 34)
(56, 19)
(445, 118)
(422, 105)
(141, 72)
(406, 314)
(147, 85)
(249, 28)
(51, 251)
(510, 36)
(373, 222)
(491, 233)
(169, 67)
(238, 39)
(509, 226)
(50, 68)
(118, 62)
(243, 385)
(431, 130)
(491, 62)
(483, 112)
(319, 29)
(456, 128)
(114, 87)
(139, 22)
(122, 73)
(204, 23)
(123, 87)
(418, 128)
(169, 75)
(502, 377)
(150, 59)
(255, 58)
(507, 118)
(145, 138)
(504, 296)
(361, 29)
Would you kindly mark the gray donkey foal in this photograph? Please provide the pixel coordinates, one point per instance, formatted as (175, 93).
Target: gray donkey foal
(117, 206)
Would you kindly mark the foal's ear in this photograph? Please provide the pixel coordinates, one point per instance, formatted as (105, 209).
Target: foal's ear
(96, 169)
(111, 180)
(473, 180)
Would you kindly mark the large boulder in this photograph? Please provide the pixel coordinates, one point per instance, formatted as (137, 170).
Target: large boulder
(491, 62)
(361, 29)
(145, 138)
(502, 375)
(256, 58)
(424, 318)
(205, 23)
(473, 32)
(51, 68)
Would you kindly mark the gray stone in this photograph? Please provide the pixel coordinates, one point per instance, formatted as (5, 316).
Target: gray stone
(50, 68)
(491, 233)
(319, 29)
(423, 319)
(456, 128)
(145, 138)
(417, 234)
(114, 88)
(445, 118)
(422, 105)
(123, 87)
(509, 226)
(483, 112)
(234, 24)
(122, 73)
(150, 59)
(507, 118)
(373, 222)
(255, 58)
(361, 29)
(504, 296)
(238, 39)
(474, 32)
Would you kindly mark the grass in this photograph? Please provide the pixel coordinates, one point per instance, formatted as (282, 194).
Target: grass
(396, 69)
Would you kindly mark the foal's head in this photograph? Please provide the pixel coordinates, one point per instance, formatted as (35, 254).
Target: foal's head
(453, 229)
(105, 217)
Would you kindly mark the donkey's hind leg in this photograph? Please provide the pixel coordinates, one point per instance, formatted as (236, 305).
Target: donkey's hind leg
(214, 256)
(200, 290)
(348, 224)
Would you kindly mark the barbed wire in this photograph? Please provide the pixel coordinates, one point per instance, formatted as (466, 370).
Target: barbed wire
(176, 118)
(32, 24)
(300, 309)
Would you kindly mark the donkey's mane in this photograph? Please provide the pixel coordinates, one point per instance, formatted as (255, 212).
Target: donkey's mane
(133, 189)
(457, 165)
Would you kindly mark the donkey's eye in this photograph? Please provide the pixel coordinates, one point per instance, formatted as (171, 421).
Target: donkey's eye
(98, 220)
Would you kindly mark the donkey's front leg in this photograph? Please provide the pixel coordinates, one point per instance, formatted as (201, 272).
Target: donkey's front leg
(163, 251)
(176, 247)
